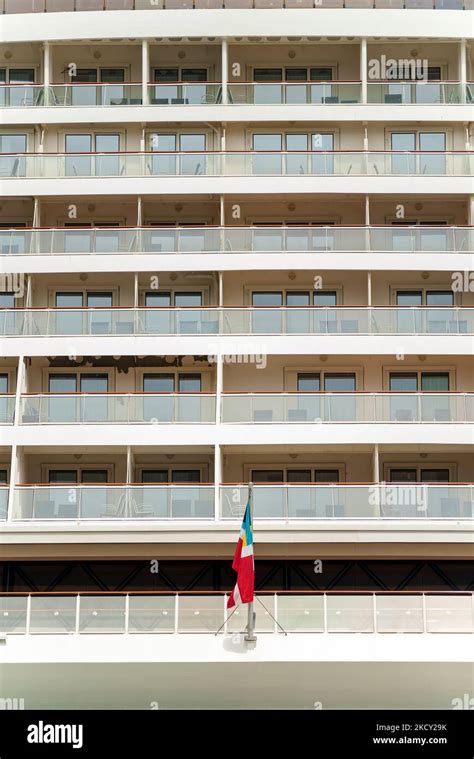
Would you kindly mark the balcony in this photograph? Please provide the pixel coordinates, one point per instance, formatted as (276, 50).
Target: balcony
(237, 164)
(51, 6)
(207, 321)
(353, 408)
(161, 613)
(294, 239)
(163, 502)
(97, 408)
(276, 503)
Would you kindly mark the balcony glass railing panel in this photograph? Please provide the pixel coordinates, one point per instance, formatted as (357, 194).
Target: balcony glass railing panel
(396, 614)
(20, 95)
(294, 93)
(295, 613)
(114, 502)
(294, 163)
(52, 6)
(236, 321)
(7, 409)
(3, 502)
(91, 95)
(118, 409)
(237, 240)
(350, 614)
(13, 614)
(50, 615)
(183, 93)
(445, 614)
(347, 408)
(345, 501)
(151, 614)
(416, 93)
(102, 614)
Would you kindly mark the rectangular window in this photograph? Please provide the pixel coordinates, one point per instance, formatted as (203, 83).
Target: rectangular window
(433, 382)
(263, 476)
(62, 476)
(62, 383)
(158, 383)
(186, 475)
(308, 383)
(326, 475)
(7, 300)
(298, 475)
(94, 383)
(3, 383)
(94, 476)
(403, 475)
(435, 475)
(403, 382)
(13, 165)
(344, 383)
(154, 476)
(189, 383)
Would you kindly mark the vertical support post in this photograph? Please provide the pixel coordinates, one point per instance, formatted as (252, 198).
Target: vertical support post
(127, 612)
(28, 614)
(470, 210)
(225, 71)
(363, 70)
(78, 613)
(368, 241)
(47, 72)
(145, 70)
(250, 635)
(221, 289)
(217, 481)
(222, 223)
(136, 291)
(376, 479)
(462, 69)
(369, 288)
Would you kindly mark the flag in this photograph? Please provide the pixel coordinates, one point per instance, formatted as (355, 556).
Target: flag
(243, 564)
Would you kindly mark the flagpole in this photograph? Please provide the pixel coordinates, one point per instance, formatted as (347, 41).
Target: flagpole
(250, 635)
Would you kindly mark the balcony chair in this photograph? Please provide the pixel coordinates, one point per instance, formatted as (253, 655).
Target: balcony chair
(44, 510)
(100, 328)
(188, 327)
(331, 99)
(210, 327)
(179, 101)
(467, 509)
(457, 328)
(159, 101)
(263, 415)
(393, 98)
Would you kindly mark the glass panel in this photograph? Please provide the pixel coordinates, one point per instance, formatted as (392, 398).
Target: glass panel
(432, 164)
(321, 298)
(107, 165)
(158, 322)
(267, 94)
(403, 164)
(154, 476)
(189, 383)
(403, 475)
(326, 475)
(195, 163)
(263, 476)
(13, 165)
(188, 299)
(322, 164)
(19, 96)
(308, 383)
(158, 383)
(94, 383)
(298, 475)
(3, 383)
(267, 163)
(186, 475)
(94, 476)
(151, 614)
(62, 476)
(296, 164)
(410, 298)
(340, 382)
(7, 300)
(299, 320)
(267, 322)
(435, 383)
(53, 615)
(62, 383)
(77, 165)
(440, 298)
(99, 300)
(403, 383)
(165, 164)
(435, 475)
